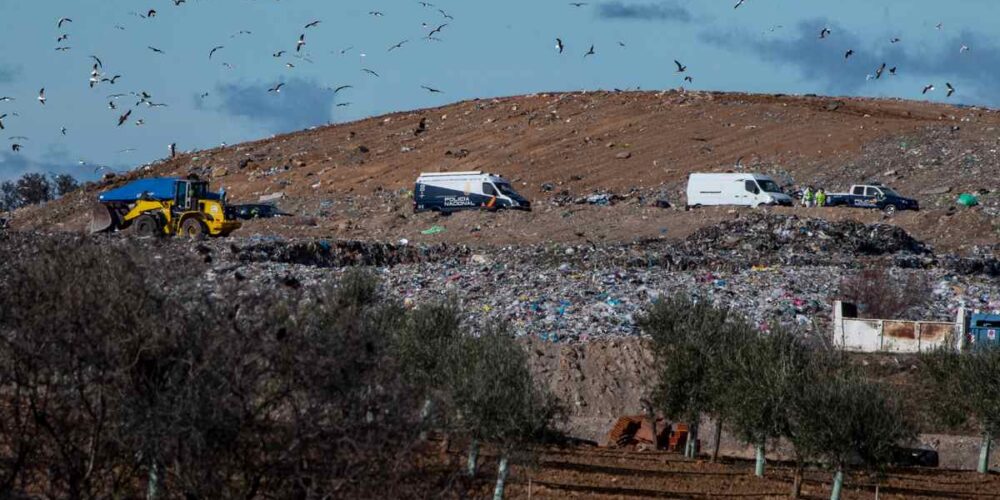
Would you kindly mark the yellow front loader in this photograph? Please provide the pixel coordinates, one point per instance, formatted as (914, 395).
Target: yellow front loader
(163, 206)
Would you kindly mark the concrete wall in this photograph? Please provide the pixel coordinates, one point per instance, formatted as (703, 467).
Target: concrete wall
(883, 335)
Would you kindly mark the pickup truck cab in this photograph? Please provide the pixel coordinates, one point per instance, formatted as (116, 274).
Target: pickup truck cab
(872, 196)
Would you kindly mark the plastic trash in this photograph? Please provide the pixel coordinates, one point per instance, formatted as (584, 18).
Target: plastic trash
(968, 200)
(433, 230)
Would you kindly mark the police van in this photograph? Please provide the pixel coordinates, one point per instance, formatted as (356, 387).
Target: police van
(448, 192)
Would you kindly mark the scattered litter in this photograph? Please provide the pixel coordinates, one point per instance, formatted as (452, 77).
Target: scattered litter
(433, 230)
(968, 200)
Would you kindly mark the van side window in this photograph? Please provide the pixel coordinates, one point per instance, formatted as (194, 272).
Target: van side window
(488, 189)
(859, 190)
(751, 187)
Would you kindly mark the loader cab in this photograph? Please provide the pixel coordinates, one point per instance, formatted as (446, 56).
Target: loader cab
(188, 192)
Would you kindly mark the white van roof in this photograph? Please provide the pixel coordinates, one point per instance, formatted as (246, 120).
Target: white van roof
(733, 175)
(448, 174)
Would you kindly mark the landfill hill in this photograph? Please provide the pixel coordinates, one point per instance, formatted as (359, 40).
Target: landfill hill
(351, 181)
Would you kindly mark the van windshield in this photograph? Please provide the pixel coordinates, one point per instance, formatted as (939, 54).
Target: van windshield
(505, 189)
(768, 186)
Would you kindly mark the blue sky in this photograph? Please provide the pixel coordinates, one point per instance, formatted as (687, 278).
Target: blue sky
(490, 48)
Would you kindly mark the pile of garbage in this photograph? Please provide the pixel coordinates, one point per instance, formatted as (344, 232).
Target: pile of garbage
(768, 238)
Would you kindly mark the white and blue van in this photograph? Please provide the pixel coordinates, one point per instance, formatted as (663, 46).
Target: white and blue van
(448, 192)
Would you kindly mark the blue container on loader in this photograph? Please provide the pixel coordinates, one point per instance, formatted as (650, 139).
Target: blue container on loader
(984, 331)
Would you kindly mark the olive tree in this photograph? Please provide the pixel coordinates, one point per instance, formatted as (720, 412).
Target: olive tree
(496, 398)
(967, 387)
(691, 343)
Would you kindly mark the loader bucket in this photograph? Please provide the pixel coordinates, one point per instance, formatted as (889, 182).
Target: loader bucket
(100, 218)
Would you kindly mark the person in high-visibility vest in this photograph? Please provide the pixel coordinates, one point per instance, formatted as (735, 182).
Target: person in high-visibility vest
(807, 197)
(821, 198)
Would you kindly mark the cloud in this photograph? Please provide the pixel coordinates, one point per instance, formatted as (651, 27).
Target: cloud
(659, 11)
(14, 165)
(823, 61)
(300, 104)
(7, 74)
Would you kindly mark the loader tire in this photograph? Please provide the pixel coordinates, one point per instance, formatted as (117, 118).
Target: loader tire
(194, 229)
(147, 225)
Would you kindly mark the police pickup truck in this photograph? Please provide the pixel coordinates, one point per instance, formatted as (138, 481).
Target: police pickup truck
(874, 196)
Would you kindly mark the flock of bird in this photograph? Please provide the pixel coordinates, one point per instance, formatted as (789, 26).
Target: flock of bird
(432, 32)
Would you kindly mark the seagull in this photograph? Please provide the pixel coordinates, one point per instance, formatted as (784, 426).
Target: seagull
(559, 45)
(1, 120)
(398, 45)
(433, 91)
(289, 65)
(61, 38)
(436, 30)
(63, 20)
(202, 96)
(140, 122)
(446, 16)
(15, 147)
(18, 138)
(342, 87)
(155, 105)
(878, 72)
(301, 42)
(939, 25)
(689, 79)
(375, 13)
(892, 71)
(278, 53)
(178, 2)
(344, 51)
(370, 72)
(112, 79)
(124, 118)
(151, 13)
(738, 4)
(589, 52)
(63, 130)
(680, 67)
(115, 96)
(824, 32)
(111, 105)
(41, 96)
(63, 49)
(621, 44)
(928, 88)
(276, 89)
(98, 61)
(343, 104)
(313, 24)
(6, 99)
(214, 49)
(849, 53)
(951, 90)
(240, 32)
(425, 4)
(895, 40)
(578, 4)
(154, 49)
(964, 48)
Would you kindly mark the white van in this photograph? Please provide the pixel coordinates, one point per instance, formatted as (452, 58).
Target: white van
(447, 192)
(751, 190)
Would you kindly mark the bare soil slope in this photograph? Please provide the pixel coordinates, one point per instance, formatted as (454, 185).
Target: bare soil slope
(350, 180)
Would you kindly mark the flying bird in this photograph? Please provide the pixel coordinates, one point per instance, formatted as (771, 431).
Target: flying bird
(436, 30)
(689, 79)
(878, 72)
(41, 96)
(342, 87)
(111, 80)
(62, 49)
(939, 25)
(61, 38)
(425, 4)
(203, 95)
(278, 53)
(892, 71)
(590, 52)
(151, 13)
(15, 147)
(431, 90)
(6, 99)
(375, 13)
(370, 72)
(1, 120)
(963, 48)
(300, 43)
(849, 53)
(824, 32)
(63, 20)
(343, 104)
(62, 130)
(98, 61)
(313, 24)
(738, 4)
(140, 122)
(928, 88)
(446, 16)
(124, 118)
(559, 45)
(214, 49)
(276, 89)
(111, 105)
(154, 49)
(951, 90)
(680, 67)
(578, 4)
(895, 40)
(398, 45)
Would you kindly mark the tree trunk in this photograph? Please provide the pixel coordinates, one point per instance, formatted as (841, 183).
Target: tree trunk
(473, 463)
(759, 468)
(718, 440)
(838, 484)
(502, 471)
(425, 412)
(153, 483)
(797, 481)
(691, 448)
(984, 453)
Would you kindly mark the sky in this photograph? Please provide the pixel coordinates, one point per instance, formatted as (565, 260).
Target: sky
(487, 49)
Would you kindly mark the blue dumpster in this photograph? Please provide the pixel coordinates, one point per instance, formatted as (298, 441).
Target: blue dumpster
(984, 330)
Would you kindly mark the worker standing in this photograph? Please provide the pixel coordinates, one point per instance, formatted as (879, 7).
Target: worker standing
(821, 198)
(807, 197)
